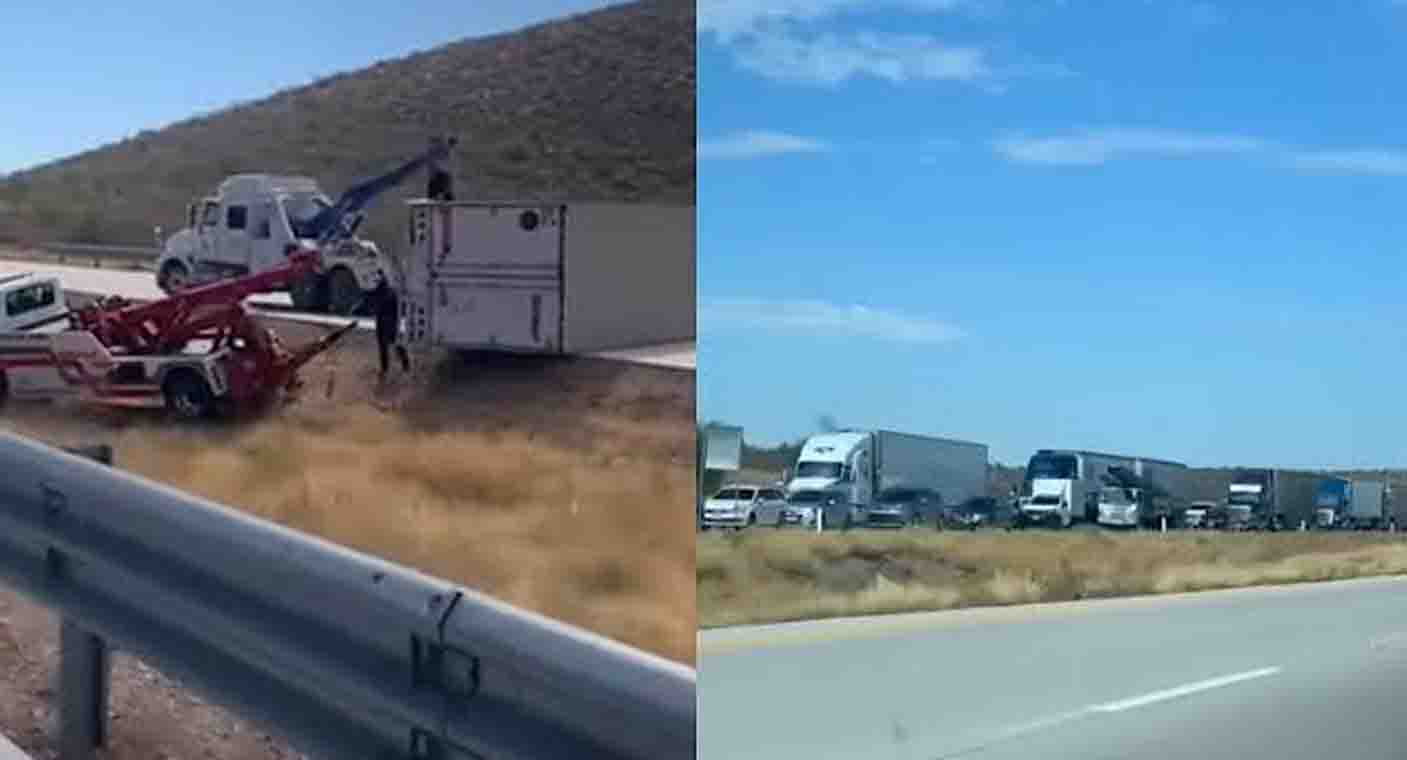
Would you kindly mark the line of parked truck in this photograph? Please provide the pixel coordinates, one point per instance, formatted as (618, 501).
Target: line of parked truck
(885, 479)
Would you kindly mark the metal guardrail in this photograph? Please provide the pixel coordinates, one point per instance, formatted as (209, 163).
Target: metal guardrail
(346, 655)
(100, 253)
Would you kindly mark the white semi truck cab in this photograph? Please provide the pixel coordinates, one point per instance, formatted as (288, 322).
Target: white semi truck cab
(248, 225)
(824, 476)
(254, 220)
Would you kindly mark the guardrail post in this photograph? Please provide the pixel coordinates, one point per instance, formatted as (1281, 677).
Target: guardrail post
(85, 669)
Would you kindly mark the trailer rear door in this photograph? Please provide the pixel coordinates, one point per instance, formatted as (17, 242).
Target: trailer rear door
(495, 277)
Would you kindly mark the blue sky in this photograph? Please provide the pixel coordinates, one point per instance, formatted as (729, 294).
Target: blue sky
(76, 75)
(1166, 228)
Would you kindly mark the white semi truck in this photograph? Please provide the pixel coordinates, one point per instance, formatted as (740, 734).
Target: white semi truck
(847, 474)
(1347, 504)
(253, 220)
(1064, 487)
(547, 278)
(1269, 499)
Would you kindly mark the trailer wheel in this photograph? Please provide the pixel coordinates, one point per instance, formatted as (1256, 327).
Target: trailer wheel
(173, 277)
(188, 395)
(344, 293)
(309, 293)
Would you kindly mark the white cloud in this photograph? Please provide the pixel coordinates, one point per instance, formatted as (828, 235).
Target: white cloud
(832, 59)
(766, 37)
(1097, 146)
(1090, 147)
(821, 318)
(1368, 161)
(727, 19)
(756, 144)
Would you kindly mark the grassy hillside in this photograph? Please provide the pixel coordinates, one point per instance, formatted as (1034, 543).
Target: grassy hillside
(593, 107)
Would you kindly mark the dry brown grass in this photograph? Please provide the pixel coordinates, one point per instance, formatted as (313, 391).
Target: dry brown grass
(563, 487)
(768, 576)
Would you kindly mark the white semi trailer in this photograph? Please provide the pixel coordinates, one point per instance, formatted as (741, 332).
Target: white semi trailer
(547, 278)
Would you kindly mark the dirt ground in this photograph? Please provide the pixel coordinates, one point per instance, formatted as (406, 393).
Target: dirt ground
(563, 486)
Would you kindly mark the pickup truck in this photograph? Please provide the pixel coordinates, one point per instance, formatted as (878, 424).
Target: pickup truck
(33, 307)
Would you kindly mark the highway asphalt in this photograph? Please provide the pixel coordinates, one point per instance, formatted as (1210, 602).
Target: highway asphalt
(1308, 671)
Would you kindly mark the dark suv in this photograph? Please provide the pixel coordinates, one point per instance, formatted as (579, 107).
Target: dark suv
(972, 514)
(902, 507)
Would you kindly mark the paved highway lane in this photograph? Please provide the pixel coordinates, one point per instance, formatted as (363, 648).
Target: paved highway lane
(141, 286)
(1308, 671)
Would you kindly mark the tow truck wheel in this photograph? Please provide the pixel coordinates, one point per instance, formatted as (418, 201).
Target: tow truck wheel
(344, 293)
(309, 294)
(187, 395)
(173, 277)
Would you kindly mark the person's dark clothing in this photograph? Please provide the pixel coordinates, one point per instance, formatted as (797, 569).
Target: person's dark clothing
(440, 187)
(386, 307)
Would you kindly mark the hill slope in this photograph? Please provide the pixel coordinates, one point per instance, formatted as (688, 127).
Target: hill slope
(598, 106)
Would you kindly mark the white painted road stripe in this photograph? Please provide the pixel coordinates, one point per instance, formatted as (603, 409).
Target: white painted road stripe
(1024, 729)
(1182, 691)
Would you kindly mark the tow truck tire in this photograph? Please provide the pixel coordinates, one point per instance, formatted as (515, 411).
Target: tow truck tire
(173, 277)
(344, 293)
(187, 395)
(309, 293)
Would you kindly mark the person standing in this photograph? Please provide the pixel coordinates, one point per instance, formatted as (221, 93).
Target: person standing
(386, 307)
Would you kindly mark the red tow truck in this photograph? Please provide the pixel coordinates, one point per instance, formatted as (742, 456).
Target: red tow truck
(198, 352)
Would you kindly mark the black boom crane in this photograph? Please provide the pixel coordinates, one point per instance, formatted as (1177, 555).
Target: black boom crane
(339, 220)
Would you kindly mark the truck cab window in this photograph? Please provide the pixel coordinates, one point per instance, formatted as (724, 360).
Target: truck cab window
(263, 221)
(211, 215)
(236, 217)
(24, 300)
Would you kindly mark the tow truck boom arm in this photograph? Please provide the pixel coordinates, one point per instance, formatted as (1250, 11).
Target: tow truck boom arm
(167, 324)
(328, 223)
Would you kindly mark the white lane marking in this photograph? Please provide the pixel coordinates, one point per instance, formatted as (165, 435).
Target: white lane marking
(1184, 690)
(1015, 732)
